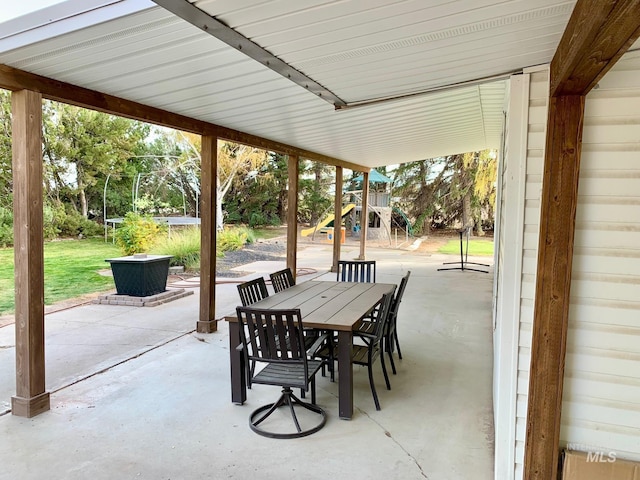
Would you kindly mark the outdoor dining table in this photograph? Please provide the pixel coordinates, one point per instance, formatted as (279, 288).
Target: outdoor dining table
(336, 306)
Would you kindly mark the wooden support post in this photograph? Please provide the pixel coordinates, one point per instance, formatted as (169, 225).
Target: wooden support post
(337, 220)
(364, 215)
(599, 32)
(208, 198)
(31, 398)
(553, 281)
(292, 214)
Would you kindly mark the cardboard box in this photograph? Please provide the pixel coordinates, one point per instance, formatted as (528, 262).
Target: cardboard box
(601, 465)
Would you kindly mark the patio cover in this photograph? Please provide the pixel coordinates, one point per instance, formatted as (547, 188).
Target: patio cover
(372, 83)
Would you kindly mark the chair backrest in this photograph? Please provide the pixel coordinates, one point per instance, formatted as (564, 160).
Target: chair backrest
(356, 271)
(273, 336)
(395, 305)
(282, 279)
(382, 316)
(252, 291)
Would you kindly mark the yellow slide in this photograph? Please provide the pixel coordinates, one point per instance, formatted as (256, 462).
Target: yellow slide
(327, 220)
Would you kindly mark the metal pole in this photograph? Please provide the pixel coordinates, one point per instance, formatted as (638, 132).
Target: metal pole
(104, 208)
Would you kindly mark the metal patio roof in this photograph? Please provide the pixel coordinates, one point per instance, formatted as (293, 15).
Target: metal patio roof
(419, 78)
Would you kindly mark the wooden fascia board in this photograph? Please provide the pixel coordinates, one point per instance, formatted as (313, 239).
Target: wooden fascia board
(599, 32)
(15, 79)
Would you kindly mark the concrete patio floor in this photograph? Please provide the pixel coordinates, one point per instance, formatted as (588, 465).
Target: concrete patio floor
(136, 393)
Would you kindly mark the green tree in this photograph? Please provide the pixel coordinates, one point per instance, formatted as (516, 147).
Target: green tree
(444, 191)
(316, 183)
(82, 147)
(6, 183)
(261, 197)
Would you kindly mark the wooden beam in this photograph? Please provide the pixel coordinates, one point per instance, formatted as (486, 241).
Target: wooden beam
(265, 144)
(292, 213)
(209, 167)
(599, 32)
(15, 79)
(337, 219)
(553, 281)
(364, 215)
(31, 397)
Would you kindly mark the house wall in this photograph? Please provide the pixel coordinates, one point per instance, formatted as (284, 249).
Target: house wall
(519, 224)
(601, 401)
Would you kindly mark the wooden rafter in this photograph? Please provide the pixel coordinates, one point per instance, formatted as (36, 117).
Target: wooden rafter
(599, 32)
(15, 79)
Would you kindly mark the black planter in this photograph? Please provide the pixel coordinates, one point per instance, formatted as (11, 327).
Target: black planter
(140, 275)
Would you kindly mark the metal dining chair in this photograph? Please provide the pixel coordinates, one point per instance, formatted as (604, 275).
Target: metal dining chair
(368, 353)
(356, 271)
(274, 338)
(282, 279)
(252, 291)
(371, 347)
(391, 333)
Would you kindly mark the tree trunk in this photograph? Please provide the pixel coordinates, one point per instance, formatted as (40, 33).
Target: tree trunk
(467, 219)
(81, 195)
(219, 215)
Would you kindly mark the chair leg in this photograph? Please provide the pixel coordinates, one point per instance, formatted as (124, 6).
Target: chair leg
(293, 413)
(384, 370)
(395, 336)
(373, 386)
(389, 349)
(286, 398)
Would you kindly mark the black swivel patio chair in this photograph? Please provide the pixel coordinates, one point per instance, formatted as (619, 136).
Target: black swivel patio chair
(252, 291)
(356, 271)
(391, 333)
(274, 338)
(282, 279)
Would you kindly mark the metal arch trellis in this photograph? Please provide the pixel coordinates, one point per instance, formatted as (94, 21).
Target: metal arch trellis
(135, 189)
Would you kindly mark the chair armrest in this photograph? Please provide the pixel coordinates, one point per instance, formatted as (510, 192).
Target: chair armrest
(317, 344)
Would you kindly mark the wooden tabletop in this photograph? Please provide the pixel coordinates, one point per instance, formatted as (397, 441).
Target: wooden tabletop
(329, 305)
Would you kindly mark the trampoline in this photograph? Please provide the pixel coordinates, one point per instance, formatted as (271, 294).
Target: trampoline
(169, 221)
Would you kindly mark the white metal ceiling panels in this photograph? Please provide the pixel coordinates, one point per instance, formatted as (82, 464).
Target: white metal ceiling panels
(359, 50)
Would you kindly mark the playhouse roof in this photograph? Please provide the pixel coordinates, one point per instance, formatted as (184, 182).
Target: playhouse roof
(375, 177)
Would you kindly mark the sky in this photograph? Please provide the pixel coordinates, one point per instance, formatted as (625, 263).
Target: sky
(15, 8)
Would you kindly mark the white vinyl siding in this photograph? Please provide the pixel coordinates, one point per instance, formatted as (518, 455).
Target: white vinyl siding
(522, 182)
(601, 401)
(538, 104)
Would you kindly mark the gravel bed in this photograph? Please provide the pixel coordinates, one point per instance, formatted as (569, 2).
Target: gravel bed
(253, 252)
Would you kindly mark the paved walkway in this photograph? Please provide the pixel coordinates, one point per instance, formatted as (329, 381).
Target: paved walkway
(136, 393)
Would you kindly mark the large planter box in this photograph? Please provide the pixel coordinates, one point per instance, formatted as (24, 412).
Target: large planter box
(140, 275)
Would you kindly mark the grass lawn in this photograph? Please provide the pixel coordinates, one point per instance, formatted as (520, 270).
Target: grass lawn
(476, 247)
(269, 232)
(70, 270)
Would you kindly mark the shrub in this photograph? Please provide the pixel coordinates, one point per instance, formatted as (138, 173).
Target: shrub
(65, 221)
(6, 227)
(184, 245)
(137, 233)
(232, 239)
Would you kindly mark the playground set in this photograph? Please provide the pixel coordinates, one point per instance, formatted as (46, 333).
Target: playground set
(385, 221)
